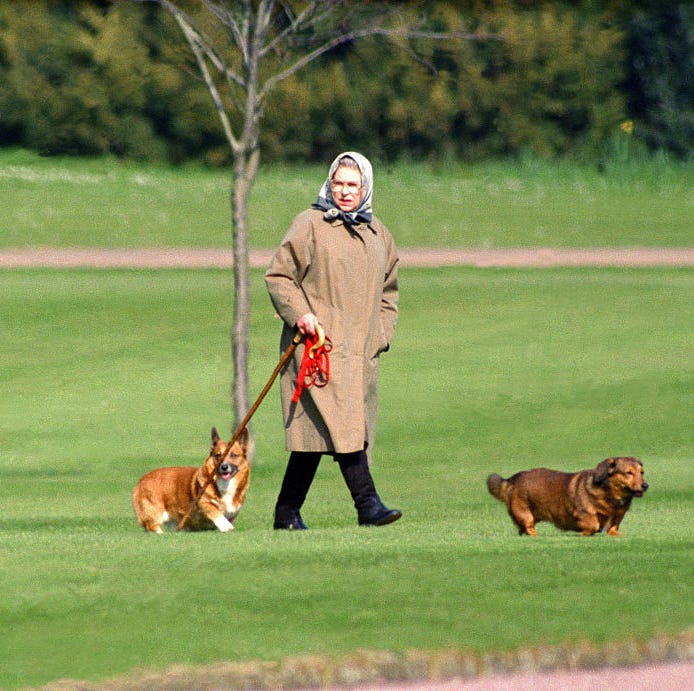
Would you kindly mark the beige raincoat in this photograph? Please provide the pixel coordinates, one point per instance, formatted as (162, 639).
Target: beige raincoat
(348, 278)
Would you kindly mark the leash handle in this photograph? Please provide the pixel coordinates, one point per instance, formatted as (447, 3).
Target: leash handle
(320, 340)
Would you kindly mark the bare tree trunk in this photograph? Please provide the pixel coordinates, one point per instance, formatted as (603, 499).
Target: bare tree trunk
(245, 169)
(246, 152)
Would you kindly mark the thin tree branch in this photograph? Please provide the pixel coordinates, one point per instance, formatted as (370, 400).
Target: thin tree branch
(295, 24)
(204, 44)
(228, 19)
(272, 81)
(193, 40)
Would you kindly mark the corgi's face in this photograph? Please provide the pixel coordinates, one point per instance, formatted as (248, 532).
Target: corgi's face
(233, 460)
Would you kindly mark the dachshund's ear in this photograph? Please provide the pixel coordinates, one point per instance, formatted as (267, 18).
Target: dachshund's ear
(604, 470)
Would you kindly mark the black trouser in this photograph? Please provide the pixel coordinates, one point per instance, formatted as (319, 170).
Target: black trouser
(301, 469)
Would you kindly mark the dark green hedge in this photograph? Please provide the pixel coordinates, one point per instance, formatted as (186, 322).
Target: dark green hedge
(101, 77)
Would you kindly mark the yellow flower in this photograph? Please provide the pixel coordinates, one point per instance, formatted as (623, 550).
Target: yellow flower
(627, 126)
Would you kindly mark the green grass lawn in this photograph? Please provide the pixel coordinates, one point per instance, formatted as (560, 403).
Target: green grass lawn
(105, 203)
(106, 374)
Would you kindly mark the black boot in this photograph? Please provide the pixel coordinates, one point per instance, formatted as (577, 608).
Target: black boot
(301, 469)
(288, 518)
(370, 508)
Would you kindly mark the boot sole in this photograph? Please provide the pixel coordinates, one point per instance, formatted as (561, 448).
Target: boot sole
(386, 520)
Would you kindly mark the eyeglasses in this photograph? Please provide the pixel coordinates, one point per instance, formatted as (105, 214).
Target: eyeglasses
(349, 187)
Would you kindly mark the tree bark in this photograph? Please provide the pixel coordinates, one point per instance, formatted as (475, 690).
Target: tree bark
(245, 169)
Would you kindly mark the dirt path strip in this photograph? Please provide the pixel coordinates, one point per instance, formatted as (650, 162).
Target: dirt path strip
(661, 677)
(204, 258)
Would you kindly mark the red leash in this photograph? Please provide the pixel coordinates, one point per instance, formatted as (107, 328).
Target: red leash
(315, 363)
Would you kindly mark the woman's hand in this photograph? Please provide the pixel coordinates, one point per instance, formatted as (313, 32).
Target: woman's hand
(307, 324)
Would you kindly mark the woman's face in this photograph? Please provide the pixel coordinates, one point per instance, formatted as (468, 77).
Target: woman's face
(346, 188)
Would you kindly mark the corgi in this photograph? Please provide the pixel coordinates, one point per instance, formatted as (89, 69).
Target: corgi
(165, 495)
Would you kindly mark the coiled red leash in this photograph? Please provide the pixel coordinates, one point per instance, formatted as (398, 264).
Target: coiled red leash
(315, 363)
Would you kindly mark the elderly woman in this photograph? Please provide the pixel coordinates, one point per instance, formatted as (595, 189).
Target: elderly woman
(337, 267)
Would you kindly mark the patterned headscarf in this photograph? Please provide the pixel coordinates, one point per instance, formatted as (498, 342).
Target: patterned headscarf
(363, 213)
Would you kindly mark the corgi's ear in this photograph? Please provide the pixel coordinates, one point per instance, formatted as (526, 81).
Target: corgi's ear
(215, 437)
(243, 439)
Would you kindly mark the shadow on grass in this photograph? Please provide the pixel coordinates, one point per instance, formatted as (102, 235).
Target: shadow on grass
(62, 525)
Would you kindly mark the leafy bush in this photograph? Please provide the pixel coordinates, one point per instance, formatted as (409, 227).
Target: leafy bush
(552, 80)
(659, 83)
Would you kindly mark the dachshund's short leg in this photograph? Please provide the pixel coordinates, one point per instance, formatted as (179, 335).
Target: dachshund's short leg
(523, 517)
(588, 524)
